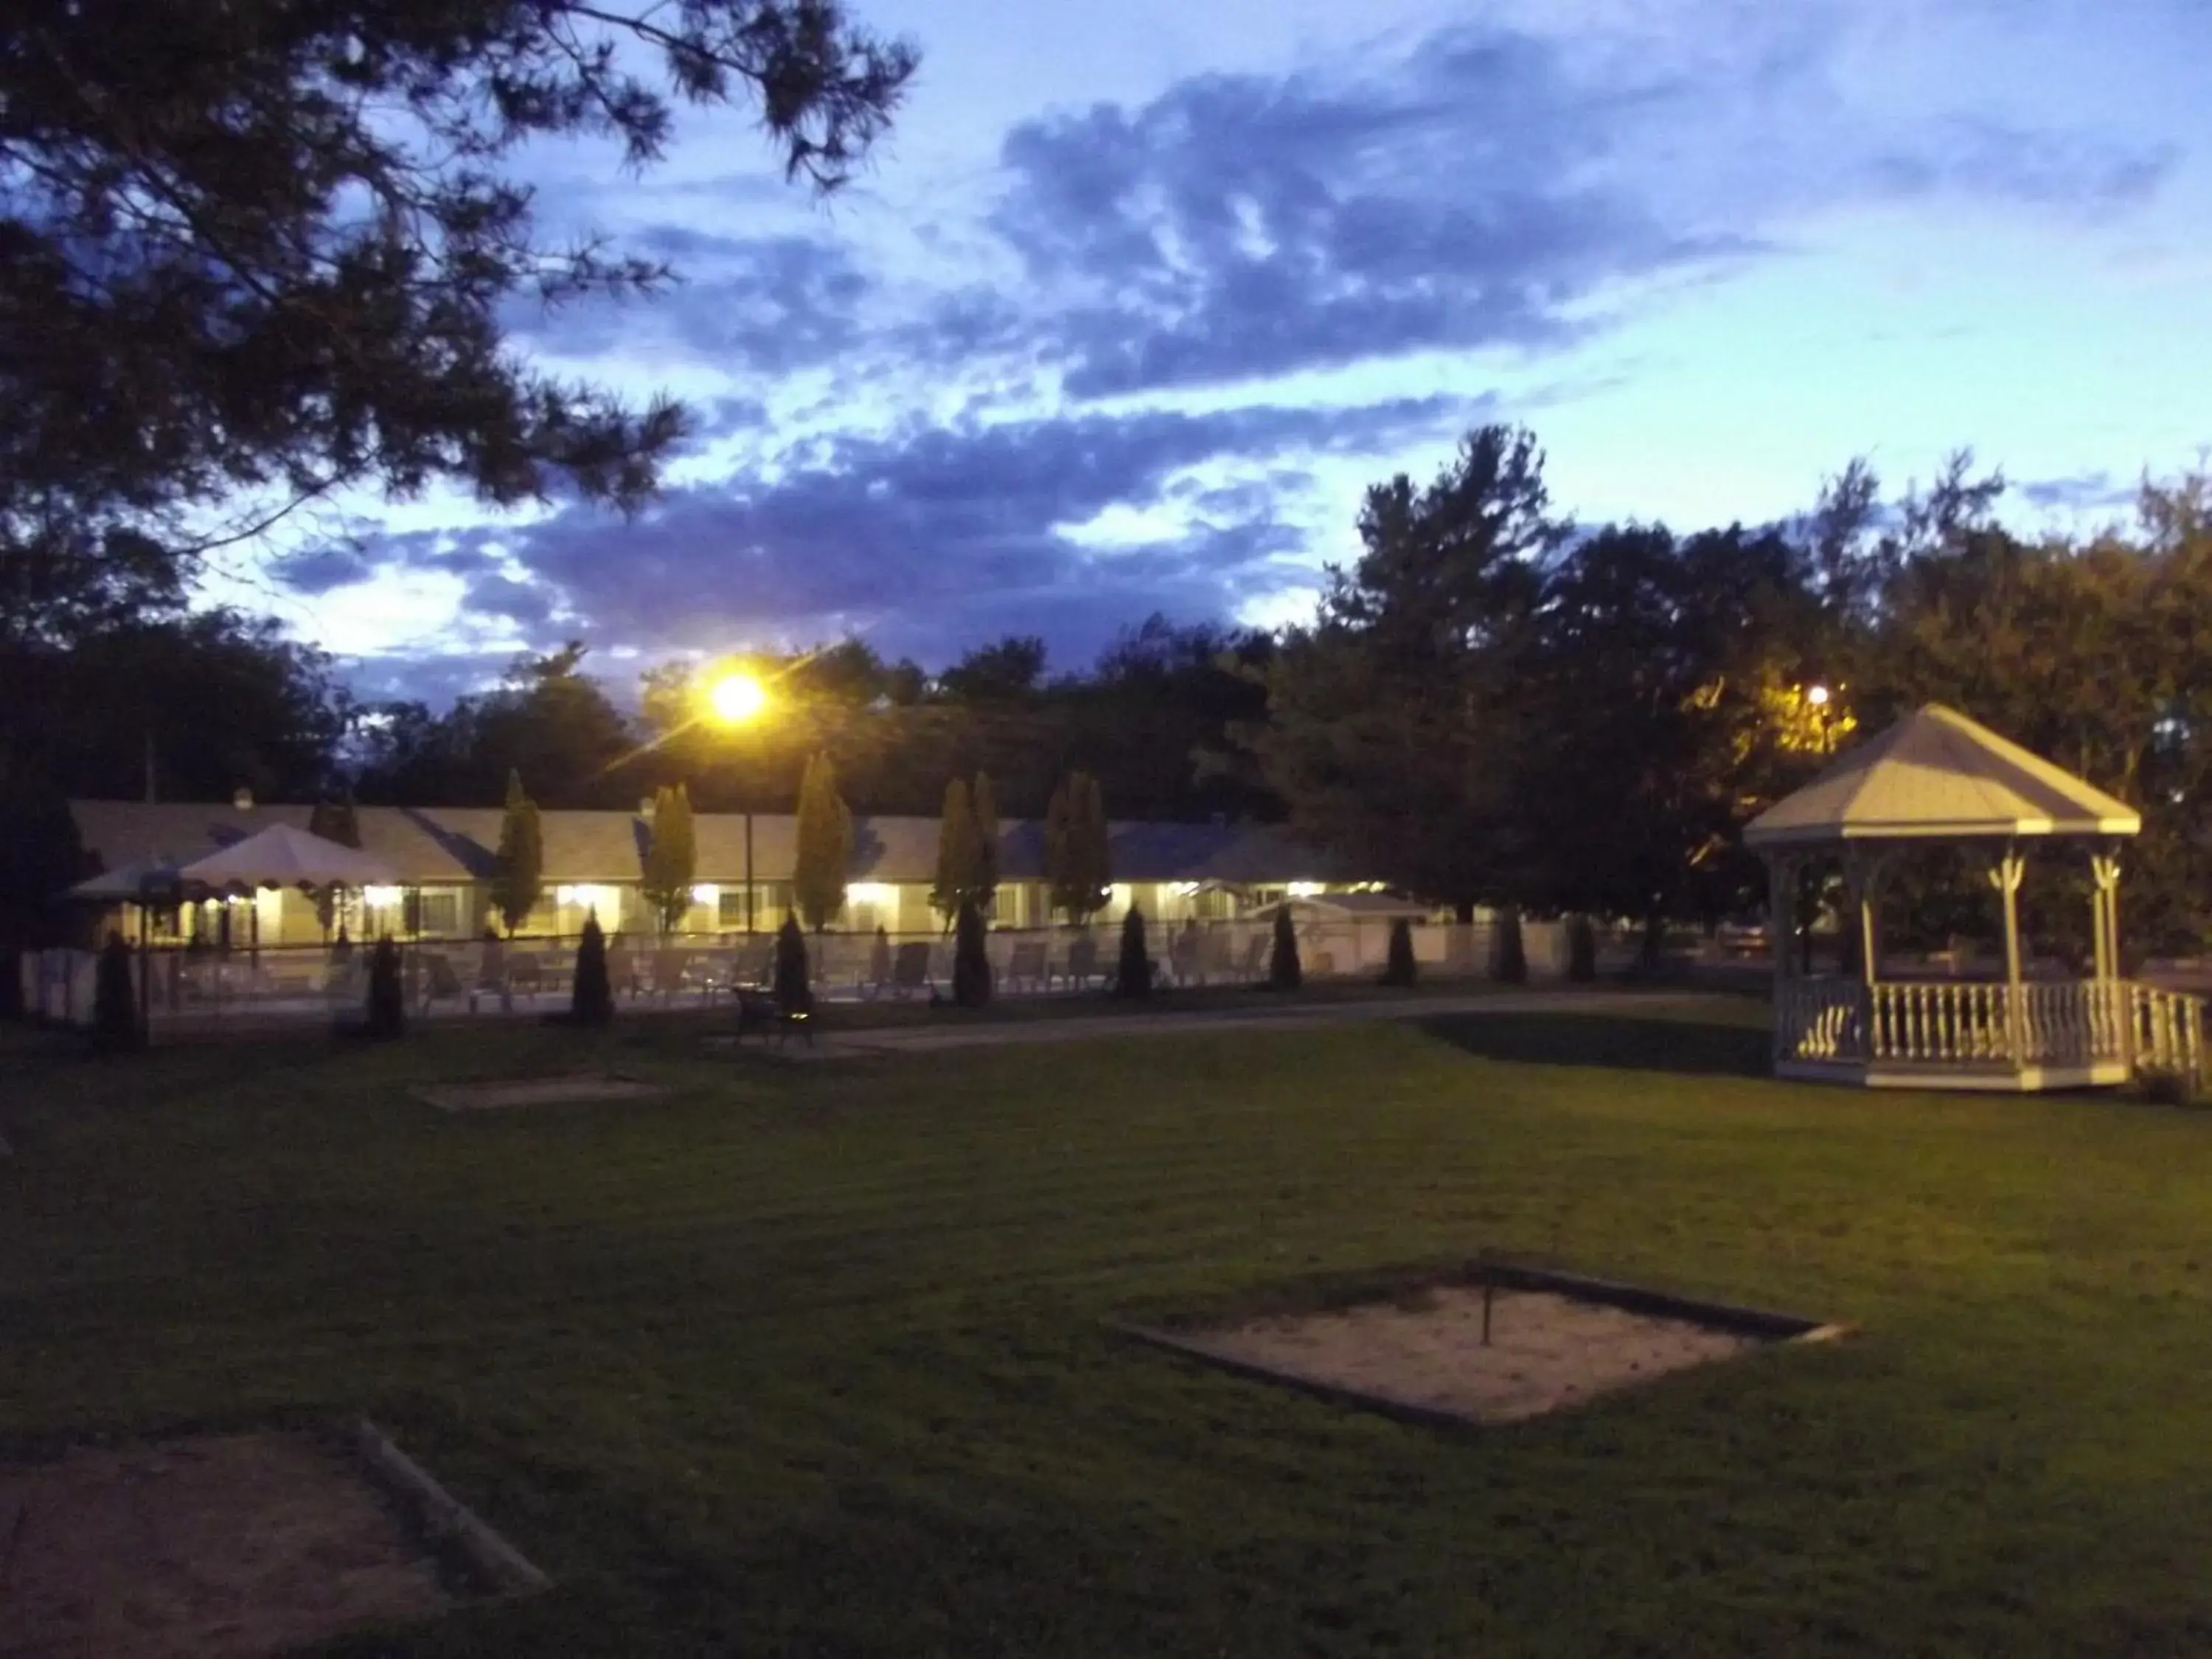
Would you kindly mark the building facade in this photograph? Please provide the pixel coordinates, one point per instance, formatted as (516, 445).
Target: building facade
(445, 859)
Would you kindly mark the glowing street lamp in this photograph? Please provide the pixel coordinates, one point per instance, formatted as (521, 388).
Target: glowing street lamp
(1817, 695)
(738, 699)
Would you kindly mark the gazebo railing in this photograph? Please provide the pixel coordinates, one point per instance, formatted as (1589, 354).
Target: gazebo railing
(1971, 1023)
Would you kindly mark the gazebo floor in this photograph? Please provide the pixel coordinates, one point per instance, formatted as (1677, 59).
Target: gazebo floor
(1986, 1077)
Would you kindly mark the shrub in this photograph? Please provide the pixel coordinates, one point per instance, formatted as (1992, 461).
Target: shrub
(880, 958)
(114, 1005)
(1133, 978)
(1509, 957)
(971, 961)
(1582, 951)
(1284, 973)
(388, 1002)
(2164, 1085)
(591, 999)
(794, 992)
(1400, 969)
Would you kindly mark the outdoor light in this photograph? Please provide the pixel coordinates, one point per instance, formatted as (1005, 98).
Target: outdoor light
(737, 699)
(705, 893)
(1817, 695)
(1305, 889)
(380, 895)
(872, 892)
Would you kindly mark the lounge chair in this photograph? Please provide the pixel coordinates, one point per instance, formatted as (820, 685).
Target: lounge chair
(1028, 966)
(910, 969)
(1256, 951)
(668, 972)
(757, 1010)
(440, 981)
(1081, 966)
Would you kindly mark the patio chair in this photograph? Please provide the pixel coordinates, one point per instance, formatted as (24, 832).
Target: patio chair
(1216, 954)
(668, 968)
(526, 972)
(910, 969)
(1028, 965)
(1184, 957)
(756, 962)
(757, 1010)
(1256, 949)
(1081, 966)
(440, 981)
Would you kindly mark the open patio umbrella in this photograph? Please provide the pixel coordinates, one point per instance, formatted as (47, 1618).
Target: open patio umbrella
(280, 856)
(132, 881)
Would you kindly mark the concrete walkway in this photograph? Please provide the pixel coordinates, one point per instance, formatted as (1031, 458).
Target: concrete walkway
(925, 1039)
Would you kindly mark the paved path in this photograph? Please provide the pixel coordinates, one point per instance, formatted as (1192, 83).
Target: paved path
(928, 1039)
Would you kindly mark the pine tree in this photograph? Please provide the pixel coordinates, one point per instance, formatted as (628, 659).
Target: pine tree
(880, 958)
(1284, 972)
(591, 999)
(983, 808)
(1509, 957)
(388, 1002)
(115, 1028)
(520, 879)
(1582, 950)
(971, 959)
(671, 857)
(345, 821)
(956, 854)
(1133, 977)
(825, 845)
(1078, 859)
(794, 993)
(1400, 969)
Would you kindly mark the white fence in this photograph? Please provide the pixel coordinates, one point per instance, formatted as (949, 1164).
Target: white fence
(532, 976)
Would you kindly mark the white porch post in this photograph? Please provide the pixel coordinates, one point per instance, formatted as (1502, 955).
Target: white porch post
(2115, 1018)
(1863, 871)
(2011, 869)
(1781, 907)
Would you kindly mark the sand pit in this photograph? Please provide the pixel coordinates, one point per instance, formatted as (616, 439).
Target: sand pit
(576, 1087)
(225, 1546)
(1553, 1342)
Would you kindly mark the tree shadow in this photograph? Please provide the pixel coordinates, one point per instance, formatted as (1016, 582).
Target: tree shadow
(1612, 1041)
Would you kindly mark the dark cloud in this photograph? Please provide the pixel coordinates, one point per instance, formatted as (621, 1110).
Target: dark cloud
(1999, 160)
(932, 537)
(2084, 492)
(318, 570)
(763, 304)
(1242, 227)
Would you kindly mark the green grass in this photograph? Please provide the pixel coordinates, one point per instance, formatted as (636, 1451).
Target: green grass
(809, 1359)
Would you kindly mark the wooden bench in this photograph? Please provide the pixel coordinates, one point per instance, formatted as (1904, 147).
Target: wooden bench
(758, 1010)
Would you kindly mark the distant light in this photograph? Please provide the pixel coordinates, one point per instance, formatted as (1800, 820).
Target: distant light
(1306, 890)
(1817, 695)
(737, 699)
(870, 892)
(705, 893)
(374, 896)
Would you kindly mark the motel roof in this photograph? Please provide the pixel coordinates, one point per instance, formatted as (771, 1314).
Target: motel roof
(432, 846)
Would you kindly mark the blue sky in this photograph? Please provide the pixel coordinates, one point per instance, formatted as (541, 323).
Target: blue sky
(1137, 299)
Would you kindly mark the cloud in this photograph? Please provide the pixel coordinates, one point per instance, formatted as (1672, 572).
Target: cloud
(318, 570)
(2084, 492)
(934, 536)
(1493, 189)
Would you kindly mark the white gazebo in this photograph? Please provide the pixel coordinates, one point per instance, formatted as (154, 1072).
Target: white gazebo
(1938, 778)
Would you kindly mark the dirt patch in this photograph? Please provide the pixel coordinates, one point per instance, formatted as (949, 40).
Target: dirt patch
(1425, 1352)
(225, 1546)
(575, 1087)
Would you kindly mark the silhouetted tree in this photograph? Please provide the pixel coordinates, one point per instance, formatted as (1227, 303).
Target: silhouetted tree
(115, 1028)
(971, 960)
(591, 997)
(1284, 972)
(794, 989)
(1133, 976)
(387, 998)
(1401, 968)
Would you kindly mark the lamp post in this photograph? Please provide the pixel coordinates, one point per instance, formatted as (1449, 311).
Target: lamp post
(738, 700)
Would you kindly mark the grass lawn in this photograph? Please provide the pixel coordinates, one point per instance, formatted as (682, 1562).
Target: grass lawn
(809, 1360)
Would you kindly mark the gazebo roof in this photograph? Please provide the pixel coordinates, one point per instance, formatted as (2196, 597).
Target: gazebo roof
(1937, 775)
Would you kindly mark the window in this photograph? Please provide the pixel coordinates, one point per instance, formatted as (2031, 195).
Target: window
(773, 899)
(438, 913)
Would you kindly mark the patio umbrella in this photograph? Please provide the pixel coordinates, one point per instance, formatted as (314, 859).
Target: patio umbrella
(130, 881)
(280, 856)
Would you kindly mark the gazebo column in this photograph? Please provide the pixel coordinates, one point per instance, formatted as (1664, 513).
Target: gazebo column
(2112, 1030)
(1781, 916)
(1864, 872)
(2011, 869)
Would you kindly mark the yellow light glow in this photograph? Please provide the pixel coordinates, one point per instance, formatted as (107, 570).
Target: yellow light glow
(705, 892)
(376, 898)
(606, 901)
(870, 892)
(1306, 888)
(1817, 695)
(738, 699)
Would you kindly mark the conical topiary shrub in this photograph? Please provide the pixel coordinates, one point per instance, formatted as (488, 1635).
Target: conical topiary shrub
(794, 994)
(1509, 959)
(971, 959)
(114, 1004)
(1582, 951)
(591, 997)
(1400, 967)
(880, 958)
(388, 1002)
(1284, 971)
(1132, 976)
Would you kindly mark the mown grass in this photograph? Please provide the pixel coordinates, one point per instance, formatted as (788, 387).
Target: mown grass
(811, 1359)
